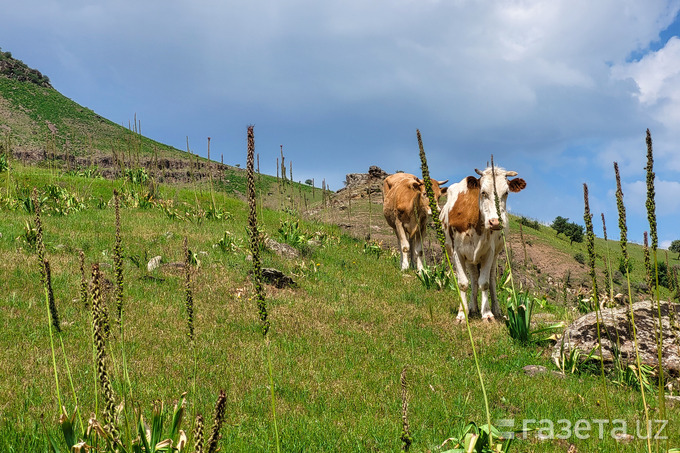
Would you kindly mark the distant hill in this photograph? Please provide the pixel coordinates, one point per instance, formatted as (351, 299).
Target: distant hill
(12, 68)
(39, 124)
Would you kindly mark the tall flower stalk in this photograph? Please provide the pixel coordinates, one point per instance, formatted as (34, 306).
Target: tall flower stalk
(257, 268)
(651, 217)
(83, 279)
(624, 251)
(49, 304)
(442, 242)
(44, 265)
(188, 293)
(590, 240)
(218, 419)
(118, 260)
(255, 234)
(406, 438)
(100, 348)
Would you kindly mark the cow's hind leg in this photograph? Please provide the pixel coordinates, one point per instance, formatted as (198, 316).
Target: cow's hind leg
(495, 307)
(485, 272)
(473, 271)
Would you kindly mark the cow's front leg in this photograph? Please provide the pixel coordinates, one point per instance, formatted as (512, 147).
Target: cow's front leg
(417, 250)
(484, 279)
(404, 245)
(463, 284)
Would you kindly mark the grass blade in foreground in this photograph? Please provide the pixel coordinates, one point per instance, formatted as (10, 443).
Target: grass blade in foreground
(442, 242)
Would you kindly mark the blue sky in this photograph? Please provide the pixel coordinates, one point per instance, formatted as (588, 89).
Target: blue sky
(556, 89)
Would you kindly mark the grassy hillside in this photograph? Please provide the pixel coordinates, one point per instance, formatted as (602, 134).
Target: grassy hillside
(40, 118)
(339, 339)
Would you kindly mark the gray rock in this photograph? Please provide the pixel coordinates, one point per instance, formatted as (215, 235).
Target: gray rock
(535, 370)
(277, 278)
(582, 334)
(153, 264)
(283, 250)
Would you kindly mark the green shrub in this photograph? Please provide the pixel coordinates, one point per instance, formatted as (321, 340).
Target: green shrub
(530, 223)
(622, 265)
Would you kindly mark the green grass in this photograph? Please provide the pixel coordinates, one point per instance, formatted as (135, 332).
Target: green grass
(339, 340)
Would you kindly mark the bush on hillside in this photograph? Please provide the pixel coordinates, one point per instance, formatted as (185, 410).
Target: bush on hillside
(571, 230)
(529, 223)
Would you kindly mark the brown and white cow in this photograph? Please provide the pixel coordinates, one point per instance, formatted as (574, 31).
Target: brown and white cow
(406, 209)
(472, 226)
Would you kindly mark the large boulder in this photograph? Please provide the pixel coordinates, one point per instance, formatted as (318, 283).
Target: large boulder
(582, 334)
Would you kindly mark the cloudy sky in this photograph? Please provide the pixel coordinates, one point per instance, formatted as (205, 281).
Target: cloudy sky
(555, 89)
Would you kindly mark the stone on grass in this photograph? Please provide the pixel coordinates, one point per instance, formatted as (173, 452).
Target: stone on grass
(582, 334)
(153, 264)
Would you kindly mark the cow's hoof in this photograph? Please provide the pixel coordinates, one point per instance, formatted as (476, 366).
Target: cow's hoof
(460, 320)
(489, 319)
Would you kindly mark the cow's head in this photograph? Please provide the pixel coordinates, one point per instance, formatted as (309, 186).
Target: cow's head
(437, 189)
(489, 216)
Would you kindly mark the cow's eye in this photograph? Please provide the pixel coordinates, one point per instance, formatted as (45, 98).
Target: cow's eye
(485, 195)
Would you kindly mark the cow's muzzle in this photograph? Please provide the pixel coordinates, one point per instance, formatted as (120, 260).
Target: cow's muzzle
(494, 224)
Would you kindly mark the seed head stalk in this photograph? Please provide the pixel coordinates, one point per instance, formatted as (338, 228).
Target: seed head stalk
(406, 433)
(118, 261)
(505, 242)
(100, 347)
(651, 217)
(257, 269)
(590, 238)
(624, 250)
(442, 242)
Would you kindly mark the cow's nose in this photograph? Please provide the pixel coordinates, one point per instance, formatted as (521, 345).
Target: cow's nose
(494, 224)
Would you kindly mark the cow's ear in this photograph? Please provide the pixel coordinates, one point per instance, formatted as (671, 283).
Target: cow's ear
(417, 184)
(517, 184)
(472, 182)
(444, 189)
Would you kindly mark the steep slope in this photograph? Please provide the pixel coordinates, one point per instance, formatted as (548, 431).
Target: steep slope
(38, 123)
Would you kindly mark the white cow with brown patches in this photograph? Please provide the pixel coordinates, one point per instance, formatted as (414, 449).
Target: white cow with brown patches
(406, 208)
(472, 226)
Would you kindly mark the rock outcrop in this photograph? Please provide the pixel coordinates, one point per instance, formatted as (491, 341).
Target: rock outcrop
(582, 334)
(358, 185)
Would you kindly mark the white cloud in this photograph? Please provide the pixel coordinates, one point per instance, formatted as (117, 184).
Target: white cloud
(657, 76)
